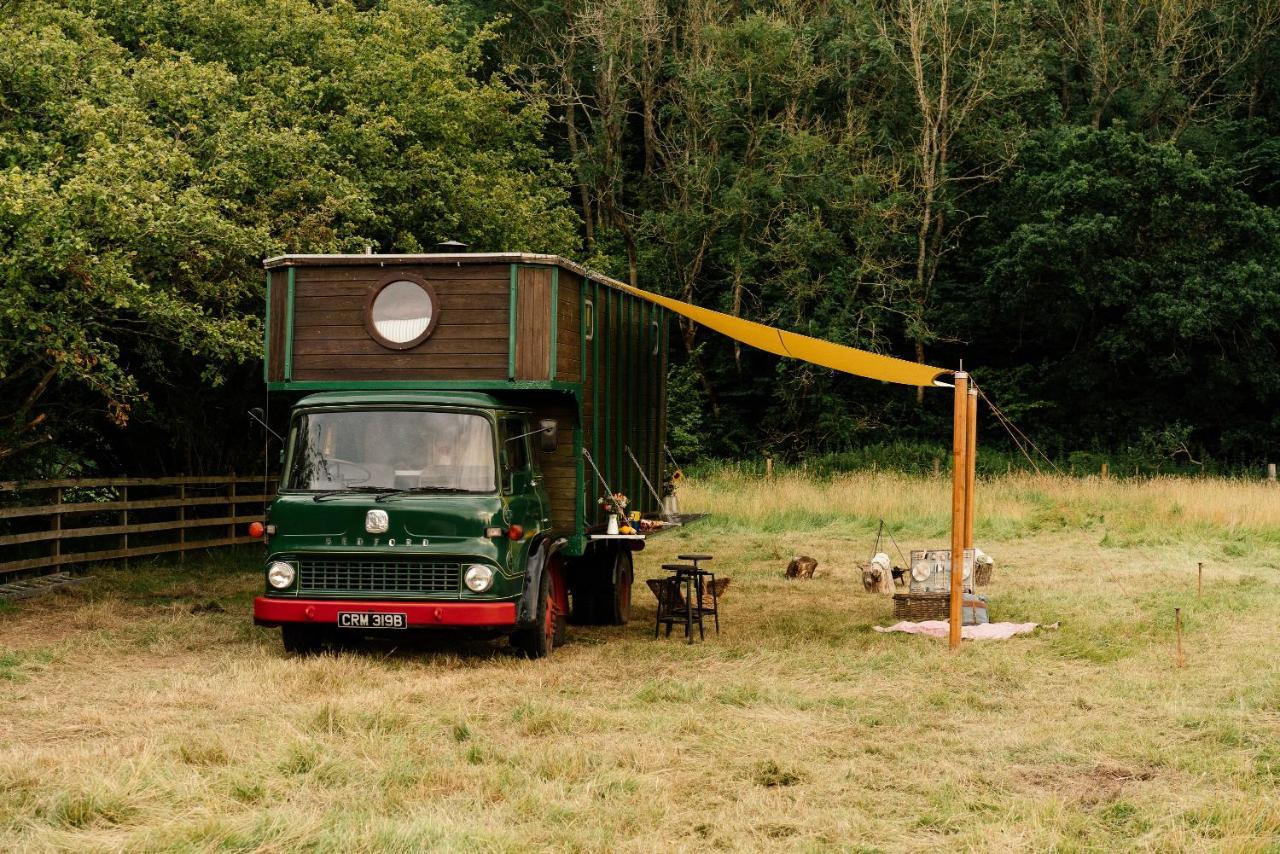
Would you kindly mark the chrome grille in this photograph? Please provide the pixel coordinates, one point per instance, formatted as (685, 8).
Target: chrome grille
(341, 575)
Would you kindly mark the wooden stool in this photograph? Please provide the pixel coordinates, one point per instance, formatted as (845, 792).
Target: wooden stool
(714, 610)
(677, 606)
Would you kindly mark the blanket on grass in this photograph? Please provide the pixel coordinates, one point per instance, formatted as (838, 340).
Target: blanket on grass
(985, 631)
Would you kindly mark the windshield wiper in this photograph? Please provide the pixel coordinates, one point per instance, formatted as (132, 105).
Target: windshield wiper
(427, 490)
(351, 490)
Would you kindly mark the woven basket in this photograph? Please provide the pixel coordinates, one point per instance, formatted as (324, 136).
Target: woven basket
(982, 574)
(921, 606)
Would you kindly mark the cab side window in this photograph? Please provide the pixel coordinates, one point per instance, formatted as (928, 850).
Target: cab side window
(517, 449)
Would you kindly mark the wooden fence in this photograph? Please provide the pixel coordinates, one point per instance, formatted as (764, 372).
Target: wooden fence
(52, 523)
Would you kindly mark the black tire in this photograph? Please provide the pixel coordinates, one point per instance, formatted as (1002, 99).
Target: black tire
(586, 578)
(539, 640)
(302, 640)
(602, 588)
(615, 601)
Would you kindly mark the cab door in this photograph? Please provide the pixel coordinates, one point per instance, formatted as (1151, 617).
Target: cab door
(521, 487)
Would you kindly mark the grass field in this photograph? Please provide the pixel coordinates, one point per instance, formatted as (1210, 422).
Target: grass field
(145, 712)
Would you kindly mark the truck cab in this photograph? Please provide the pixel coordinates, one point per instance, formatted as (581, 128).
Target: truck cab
(411, 510)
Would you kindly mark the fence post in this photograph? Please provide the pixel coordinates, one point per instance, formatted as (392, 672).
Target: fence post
(1271, 472)
(231, 529)
(182, 519)
(57, 527)
(124, 520)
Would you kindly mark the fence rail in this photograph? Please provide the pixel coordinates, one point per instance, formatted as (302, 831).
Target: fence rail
(52, 523)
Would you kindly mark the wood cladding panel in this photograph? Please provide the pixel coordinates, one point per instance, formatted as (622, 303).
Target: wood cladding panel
(569, 328)
(278, 297)
(533, 323)
(560, 468)
(448, 332)
(332, 343)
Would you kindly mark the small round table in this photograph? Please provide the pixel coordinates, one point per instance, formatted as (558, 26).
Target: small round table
(693, 578)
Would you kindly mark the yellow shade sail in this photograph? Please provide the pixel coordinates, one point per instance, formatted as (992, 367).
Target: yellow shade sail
(828, 354)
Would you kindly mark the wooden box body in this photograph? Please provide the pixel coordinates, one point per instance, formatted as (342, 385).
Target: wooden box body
(538, 330)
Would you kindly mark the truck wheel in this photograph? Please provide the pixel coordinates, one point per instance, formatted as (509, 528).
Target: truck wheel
(599, 600)
(538, 640)
(300, 639)
(615, 603)
(587, 578)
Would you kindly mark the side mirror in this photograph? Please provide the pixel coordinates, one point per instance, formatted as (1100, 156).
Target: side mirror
(550, 433)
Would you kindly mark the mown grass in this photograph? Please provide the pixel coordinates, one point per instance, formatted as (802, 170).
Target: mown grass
(145, 712)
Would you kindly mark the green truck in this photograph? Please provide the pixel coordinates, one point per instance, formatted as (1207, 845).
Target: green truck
(455, 419)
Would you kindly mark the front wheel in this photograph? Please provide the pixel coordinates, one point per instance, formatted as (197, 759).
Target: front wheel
(538, 640)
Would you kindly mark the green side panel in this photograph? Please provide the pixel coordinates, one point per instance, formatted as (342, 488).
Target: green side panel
(628, 401)
(555, 316)
(598, 309)
(288, 328)
(620, 401)
(578, 523)
(604, 458)
(644, 440)
(580, 512)
(266, 335)
(511, 327)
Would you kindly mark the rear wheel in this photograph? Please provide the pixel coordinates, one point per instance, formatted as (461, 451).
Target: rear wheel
(602, 588)
(301, 639)
(616, 599)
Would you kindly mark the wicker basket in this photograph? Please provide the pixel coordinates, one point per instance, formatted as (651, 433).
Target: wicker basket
(921, 606)
(982, 574)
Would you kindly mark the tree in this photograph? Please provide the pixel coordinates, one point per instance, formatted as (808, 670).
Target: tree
(1129, 286)
(152, 153)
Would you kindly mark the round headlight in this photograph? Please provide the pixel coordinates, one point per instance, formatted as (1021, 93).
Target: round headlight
(478, 578)
(280, 575)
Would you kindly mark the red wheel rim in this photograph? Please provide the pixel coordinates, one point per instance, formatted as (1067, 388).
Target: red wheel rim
(549, 627)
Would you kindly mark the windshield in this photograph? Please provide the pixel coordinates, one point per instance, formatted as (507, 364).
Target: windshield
(391, 449)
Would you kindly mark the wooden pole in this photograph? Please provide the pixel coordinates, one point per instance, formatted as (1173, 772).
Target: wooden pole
(971, 464)
(1177, 618)
(959, 479)
(1199, 579)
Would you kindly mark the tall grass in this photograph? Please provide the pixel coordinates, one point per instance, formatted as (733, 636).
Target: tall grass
(924, 458)
(1166, 509)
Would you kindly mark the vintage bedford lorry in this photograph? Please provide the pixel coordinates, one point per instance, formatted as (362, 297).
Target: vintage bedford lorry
(452, 418)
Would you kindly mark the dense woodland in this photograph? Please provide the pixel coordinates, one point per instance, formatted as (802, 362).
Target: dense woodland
(1077, 198)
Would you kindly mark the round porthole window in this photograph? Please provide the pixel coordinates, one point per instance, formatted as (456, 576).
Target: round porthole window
(402, 312)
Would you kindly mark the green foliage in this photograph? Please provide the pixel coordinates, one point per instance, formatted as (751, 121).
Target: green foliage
(151, 154)
(685, 405)
(1112, 256)
(1074, 198)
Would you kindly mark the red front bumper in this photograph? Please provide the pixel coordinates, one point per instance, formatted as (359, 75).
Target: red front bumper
(273, 612)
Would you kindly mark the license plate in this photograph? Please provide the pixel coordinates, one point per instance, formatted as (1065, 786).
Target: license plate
(371, 620)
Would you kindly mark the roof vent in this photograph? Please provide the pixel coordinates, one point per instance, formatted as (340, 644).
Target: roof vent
(447, 247)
